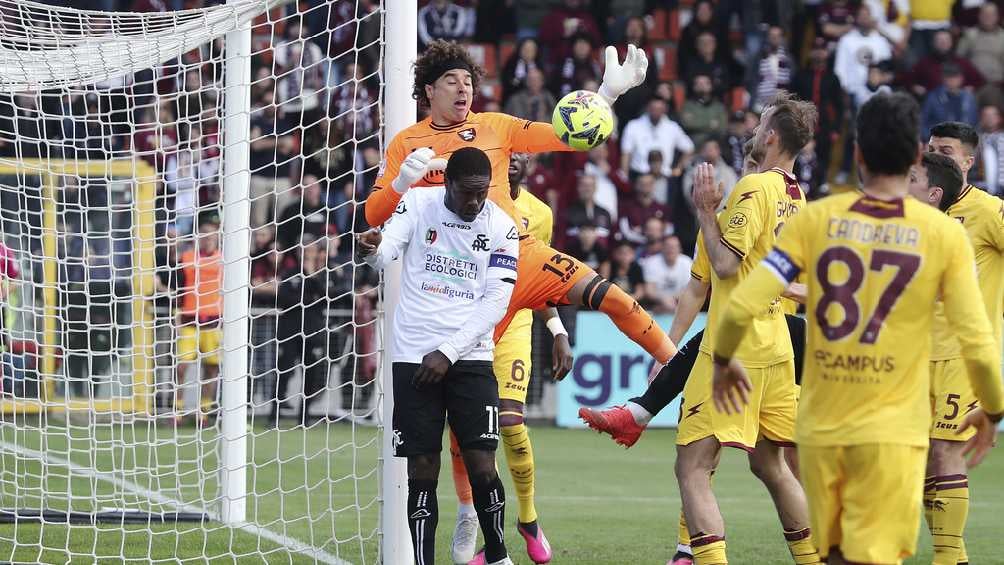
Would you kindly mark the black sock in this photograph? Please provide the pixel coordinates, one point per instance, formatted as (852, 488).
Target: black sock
(669, 383)
(489, 502)
(423, 516)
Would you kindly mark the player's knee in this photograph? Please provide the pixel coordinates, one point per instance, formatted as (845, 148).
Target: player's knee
(423, 467)
(766, 462)
(511, 413)
(480, 467)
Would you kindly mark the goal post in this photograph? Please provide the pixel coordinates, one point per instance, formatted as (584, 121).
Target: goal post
(193, 368)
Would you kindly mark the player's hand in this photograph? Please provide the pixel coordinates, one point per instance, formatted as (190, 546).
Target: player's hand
(986, 436)
(797, 292)
(367, 243)
(707, 195)
(433, 369)
(730, 387)
(414, 167)
(561, 357)
(618, 78)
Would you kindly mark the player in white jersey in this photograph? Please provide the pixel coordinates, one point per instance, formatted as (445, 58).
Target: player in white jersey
(459, 255)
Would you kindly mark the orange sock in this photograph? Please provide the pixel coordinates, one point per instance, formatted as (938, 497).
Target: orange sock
(460, 480)
(630, 318)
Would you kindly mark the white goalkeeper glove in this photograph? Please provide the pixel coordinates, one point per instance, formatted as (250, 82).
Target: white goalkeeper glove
(414, 167)
(618, 78)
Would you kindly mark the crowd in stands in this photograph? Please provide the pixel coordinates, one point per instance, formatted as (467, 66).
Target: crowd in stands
(625, 207)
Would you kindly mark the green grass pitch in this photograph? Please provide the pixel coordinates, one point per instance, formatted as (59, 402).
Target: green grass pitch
(598, 503)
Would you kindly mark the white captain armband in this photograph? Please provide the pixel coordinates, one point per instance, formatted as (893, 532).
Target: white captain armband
(782, 266)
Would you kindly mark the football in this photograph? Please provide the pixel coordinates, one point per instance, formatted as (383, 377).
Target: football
(582, 120)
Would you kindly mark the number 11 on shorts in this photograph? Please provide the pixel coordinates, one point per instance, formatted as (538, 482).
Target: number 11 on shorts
(493, 419)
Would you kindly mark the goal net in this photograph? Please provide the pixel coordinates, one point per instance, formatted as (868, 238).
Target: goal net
(189, 353)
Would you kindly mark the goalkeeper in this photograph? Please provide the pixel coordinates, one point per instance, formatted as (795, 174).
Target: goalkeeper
(446, 78)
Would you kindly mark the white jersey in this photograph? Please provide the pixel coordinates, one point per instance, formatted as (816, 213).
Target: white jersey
(457, 276)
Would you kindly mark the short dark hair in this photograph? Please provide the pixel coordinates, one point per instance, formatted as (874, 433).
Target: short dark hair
(944, 173)
(439, 57)
(793, 119)
(468, 162)
(887, 131)
(962, 131)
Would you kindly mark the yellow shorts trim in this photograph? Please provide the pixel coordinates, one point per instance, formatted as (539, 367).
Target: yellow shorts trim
(194, 340)
(770, 414)
(865, 499)
(512, 361)
(952, 398)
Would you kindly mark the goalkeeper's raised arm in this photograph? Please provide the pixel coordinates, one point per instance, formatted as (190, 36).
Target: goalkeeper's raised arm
(446, 79)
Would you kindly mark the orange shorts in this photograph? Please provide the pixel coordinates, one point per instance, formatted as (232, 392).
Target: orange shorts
(543, 278)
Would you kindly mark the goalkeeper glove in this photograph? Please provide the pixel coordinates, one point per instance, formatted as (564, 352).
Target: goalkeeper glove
(618, 78)
(414, 168)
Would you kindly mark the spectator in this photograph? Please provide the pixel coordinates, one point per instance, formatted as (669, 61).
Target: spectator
(927, 73)
(773, 70)
(156, 134)
(858, 49)
(200, 306)
(565, 22)
(892, 20)
(266, 263)
(585, 210)
(835, 18)
(654, 230)
(87, 284)
(927, 18)
(637, 210)
(529, 15)
(577, 68)
(661, 181)
(309, 216)
(818, 85)
(355, 103)
(667, 274)
(992, 144)
(654, 130)
(527, 56)
(305, 294)
(588, 248)
(710, 153)
(950, 102)
(300, 66)
(984, 47)
(704, 22)
(185, 173)
(610, 182)
(703, 115)
(533, 102)
(705, 62)
(443, 19)
(735, 140)
(811, 177)
(271, 153)
(880, 76)
(626, 273)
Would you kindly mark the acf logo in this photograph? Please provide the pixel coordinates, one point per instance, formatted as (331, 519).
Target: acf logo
(737, 220)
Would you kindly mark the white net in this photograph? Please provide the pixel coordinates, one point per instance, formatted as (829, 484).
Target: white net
(114, 272)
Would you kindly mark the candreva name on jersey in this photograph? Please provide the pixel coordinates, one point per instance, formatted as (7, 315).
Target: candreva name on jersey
(889, 233)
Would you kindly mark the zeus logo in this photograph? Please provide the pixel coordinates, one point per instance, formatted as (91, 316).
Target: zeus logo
(972, 406)
(746, 196)
(694, 410)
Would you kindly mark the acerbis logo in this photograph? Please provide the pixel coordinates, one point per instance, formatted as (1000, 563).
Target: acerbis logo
(401, 208)
(455, 225)
(513, 234)
(467, 134)
(420, 513)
